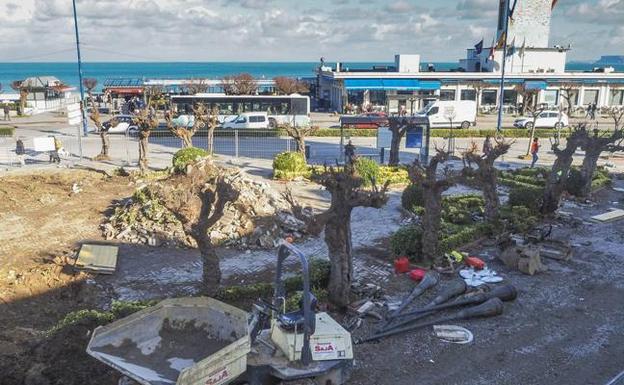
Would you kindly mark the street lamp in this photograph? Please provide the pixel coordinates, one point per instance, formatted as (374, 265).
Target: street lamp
(450, 114)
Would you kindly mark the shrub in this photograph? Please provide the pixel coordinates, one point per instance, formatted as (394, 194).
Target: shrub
(412, 196)
(7, 131)
(368, 170)
(461, 209)
(289, 165)
(186, 156)
(526, 195)
(517, 219)
(393, 174)
(407, 241)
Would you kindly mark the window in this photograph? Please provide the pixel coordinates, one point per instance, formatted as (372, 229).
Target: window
(447, 94)
(488, 97)
(261, 119)
(510, 97)
(616, 98)
(550, 97)
(433, 111)
(241, 120)
(468, 95)
(591, 96)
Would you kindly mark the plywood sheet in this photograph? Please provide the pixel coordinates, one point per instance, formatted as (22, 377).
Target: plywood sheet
(97, 258)
(609, 216)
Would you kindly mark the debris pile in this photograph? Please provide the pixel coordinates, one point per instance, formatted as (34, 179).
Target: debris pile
(257, 218)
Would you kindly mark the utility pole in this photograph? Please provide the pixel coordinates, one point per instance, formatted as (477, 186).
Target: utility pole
(82, 103)
(501, 95)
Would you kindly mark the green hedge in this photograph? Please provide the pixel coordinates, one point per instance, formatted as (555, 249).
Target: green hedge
(290, 165)
(7, 131)
(186, 156)
(441, 133)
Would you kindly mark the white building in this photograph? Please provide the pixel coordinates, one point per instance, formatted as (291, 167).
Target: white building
(530, 62)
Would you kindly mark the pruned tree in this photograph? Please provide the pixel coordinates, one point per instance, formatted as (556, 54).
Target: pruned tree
(154, 97)
(286, 86)
(398, 128)
(197, 199)
(556, 182)
(595, 144)
(345, 187)
(90, 84)
(478, 86)
(184, 132)
(569, 92)
(529, 101)
(17, 85)
(487, 175)
(241, 84)
(299, 133)
(145, 121)
(212, 121)
(433, 187)
(195, 86)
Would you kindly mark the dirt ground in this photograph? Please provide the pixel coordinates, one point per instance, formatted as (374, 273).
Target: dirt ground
(566, 327)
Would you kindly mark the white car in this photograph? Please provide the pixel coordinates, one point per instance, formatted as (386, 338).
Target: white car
(125, 125)
(248, 120)
(546, 119)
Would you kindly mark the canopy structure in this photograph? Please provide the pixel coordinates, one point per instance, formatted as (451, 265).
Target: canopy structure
(535, 85)
(391, 84)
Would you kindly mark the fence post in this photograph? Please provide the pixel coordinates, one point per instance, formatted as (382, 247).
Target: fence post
(236, 143)
(126, 143)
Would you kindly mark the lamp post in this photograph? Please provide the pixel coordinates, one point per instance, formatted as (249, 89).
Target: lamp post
(501, 96)
(450, 114)
(82, 104)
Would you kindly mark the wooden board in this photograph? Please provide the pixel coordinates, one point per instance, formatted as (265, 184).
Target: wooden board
(609, 216)
(97, 258)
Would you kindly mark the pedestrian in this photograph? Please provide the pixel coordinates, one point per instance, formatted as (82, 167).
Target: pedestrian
(20, 151)
(7, 112)
(593, 111)
(349, 153)
(487, 145)
(534, 150)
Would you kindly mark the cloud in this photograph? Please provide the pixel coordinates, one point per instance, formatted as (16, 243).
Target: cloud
(349, 30)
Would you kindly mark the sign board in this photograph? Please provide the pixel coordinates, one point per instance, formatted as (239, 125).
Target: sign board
(384, 137)
(74, 114)
(414, 137)
(43, 144)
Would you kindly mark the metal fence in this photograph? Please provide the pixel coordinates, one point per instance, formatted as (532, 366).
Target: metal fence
(244, 144)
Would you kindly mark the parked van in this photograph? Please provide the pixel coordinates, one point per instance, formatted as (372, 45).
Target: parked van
(443, 113)
(248, 120)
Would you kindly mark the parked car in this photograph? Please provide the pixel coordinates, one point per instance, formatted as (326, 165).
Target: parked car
(545, 119)
(367, 120)
(259, 120)
(124, 125)
(450, 113)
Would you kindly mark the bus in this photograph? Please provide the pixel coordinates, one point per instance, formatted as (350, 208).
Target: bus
(284, 109)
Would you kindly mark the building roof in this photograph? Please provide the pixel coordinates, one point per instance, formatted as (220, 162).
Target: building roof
(36, 82)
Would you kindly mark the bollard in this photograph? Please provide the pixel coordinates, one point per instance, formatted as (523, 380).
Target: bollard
(307, 151)
(382, 153)
(236, 143)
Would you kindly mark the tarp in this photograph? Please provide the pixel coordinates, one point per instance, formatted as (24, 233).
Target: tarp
(391, 84)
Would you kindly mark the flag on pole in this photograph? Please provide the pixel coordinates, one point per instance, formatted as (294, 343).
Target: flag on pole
(522, 48)
(512, 48)
(491, 54)
(513, 8)
(553, 4)
(501, 40)
(479, 47)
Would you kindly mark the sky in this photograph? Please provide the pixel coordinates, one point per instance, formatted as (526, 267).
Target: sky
(284, 30)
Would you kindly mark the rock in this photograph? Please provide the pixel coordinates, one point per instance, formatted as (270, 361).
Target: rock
(526, 259)
(35, 376)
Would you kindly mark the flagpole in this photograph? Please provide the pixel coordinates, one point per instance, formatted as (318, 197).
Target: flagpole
(82, 105)
(502, 81)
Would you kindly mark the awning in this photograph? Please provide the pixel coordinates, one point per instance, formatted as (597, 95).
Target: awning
(125, 90)
(507, 81)
(391, 84)
(535, 85)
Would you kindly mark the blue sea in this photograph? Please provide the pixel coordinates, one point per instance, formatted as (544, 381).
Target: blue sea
(68, 72)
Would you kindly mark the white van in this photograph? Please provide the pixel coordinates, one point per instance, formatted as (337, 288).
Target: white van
(248, 120)
(443, 113)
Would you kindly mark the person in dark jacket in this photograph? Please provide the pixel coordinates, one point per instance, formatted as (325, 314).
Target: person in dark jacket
(20, 151)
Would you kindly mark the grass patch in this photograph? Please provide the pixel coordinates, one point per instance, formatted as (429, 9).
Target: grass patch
(7, 131)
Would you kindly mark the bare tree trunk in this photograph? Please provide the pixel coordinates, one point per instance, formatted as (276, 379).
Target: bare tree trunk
(555, 185)
(211, 129)
(301, 146)
(338, 240)
(431, 224)
(490, 194)
(143, 143)
(105, 144)
(187, 139)
(588, 169)
(211, 271)
(395, 145)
